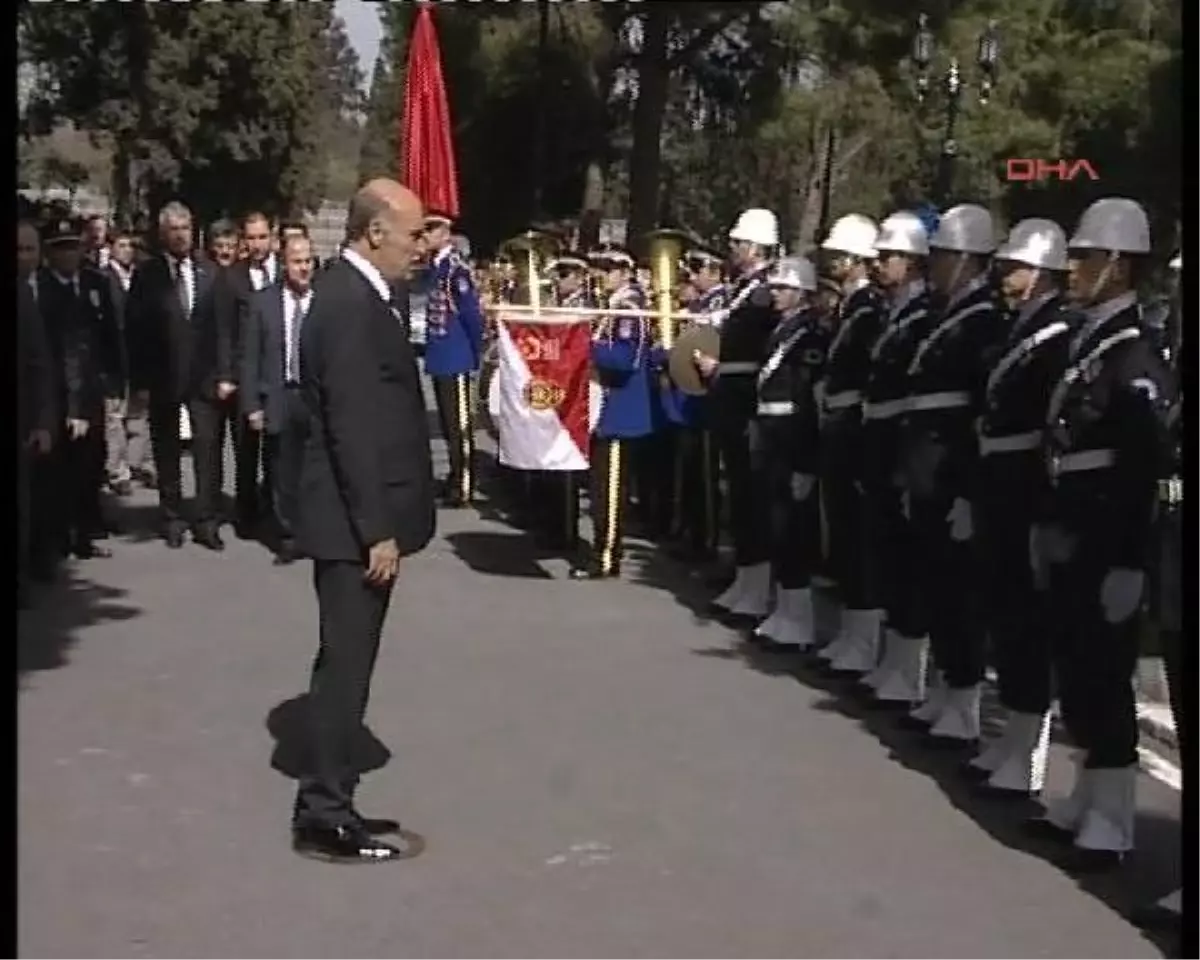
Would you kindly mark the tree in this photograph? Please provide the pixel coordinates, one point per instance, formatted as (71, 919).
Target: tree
(228, 106)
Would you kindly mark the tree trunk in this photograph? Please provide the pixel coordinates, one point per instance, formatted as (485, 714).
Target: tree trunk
(592, 211)
(645, 161)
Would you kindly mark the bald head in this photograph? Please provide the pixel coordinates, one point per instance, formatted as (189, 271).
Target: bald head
(384, 226)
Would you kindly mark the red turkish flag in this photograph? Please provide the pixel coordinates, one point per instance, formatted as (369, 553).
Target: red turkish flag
(427, 164)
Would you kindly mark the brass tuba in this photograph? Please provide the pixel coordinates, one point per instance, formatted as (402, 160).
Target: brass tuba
(529, 252)
(664, 248)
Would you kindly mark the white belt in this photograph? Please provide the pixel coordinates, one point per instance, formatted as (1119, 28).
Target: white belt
(885, 410)
(1082, 461)
(776, 408)
(1012, 443)
(842, 400)
(939, 401)
(738, 366)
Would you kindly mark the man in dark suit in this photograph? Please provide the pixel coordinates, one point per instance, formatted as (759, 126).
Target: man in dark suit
(366, 500)
(84, 336)
(270, 384)
(259, 270)
(180, 354)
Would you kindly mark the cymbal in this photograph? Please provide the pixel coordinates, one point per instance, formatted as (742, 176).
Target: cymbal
(682, 368)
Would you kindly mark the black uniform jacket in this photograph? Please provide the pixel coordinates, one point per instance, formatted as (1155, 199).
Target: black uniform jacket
(175, 356)
(367, 473)
(1108, 437)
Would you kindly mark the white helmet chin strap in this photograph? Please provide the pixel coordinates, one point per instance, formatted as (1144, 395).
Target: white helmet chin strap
(1102, 277)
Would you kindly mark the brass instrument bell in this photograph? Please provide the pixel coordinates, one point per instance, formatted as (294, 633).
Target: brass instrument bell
(529, 252)
(664, 248)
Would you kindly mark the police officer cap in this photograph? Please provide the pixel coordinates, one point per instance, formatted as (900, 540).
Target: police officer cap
(609, 255)
(794, 273)
(700, 257)
(63, 230)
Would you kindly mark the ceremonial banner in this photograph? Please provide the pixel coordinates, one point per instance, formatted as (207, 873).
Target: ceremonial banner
(427, 164)
(542, 397)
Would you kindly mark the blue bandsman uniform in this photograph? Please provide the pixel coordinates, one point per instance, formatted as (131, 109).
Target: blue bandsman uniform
(623, 365)
(453, 348)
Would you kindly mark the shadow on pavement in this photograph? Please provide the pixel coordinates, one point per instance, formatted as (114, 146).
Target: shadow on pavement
(288, 725)
(500, 553)
(1152, 871)
(134, 522)
(58, 612)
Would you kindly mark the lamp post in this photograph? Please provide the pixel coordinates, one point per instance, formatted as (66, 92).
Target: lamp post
(987, 56)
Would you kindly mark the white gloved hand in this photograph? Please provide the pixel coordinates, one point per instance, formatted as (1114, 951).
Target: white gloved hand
(1121, 594)
(802, 486)
(961, 522)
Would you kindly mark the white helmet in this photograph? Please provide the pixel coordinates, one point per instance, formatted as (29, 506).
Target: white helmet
(853, 234)
(903, 232)
(965, 228)
(756, 226)
(1114, 224)
(1176, 262)
(1036, 243)
(794, 273)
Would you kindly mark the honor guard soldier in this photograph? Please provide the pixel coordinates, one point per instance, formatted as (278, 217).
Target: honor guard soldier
(1010, 486)
(849, 250)
(1168, 912)
(901, 249)
(1106, 449)
(785, 440)
(453, 347)
(697, 461)
(750, 319)
(621, 360)
(947, 377)
(82, 330)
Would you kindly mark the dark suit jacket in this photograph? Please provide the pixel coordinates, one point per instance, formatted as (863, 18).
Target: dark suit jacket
(36, 406)
(233, 306)
(174, 356)
(85, 342)
(262, 355)
(367, 474)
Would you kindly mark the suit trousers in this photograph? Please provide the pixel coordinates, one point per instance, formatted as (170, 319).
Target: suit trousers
(1012, 611)
(1094, 660)
(283, 449)
(163, 415)
(842, 495)
(945, 582)
(352, 613)
(49, 533)
(609, 496)
(697, 497)
(247, 455)
(453, 396)
(891, 581)
(208, 417)
(83, 476)
(748, 511)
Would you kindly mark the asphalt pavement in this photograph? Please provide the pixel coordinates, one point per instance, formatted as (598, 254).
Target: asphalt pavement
(596, 771)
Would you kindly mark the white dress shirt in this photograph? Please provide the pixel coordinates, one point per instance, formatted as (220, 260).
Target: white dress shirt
(291, 339)
(187, 267)
(368, 270)
(263, 275)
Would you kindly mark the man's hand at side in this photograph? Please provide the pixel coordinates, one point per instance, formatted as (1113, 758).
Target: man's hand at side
(383, 562)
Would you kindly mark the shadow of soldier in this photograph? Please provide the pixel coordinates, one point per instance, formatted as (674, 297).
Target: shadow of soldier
(58, 615)
(288, 725)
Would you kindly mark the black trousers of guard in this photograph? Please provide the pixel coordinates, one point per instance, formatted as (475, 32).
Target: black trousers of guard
(1169, 584)
(352, 612)
(746, 486)
(946, 582)
(1012, 611)
(283, 457)
(697, 493)
(845, 509)
(83, 477)
(1094, 660)
(554, 506)
(609, 496)
(795, 525)
(891, 581)
(49, 539)
(207, 417)
(652, 475)
(453, 396)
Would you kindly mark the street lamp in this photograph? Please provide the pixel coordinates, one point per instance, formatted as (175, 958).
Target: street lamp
(987, 56)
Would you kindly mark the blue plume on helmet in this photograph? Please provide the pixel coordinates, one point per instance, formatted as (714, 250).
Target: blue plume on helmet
(929, 216)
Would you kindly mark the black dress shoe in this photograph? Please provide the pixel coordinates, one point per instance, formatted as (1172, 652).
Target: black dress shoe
(1079, 861)
(990, 791)
(86, 550)
(245, 529)
(286, 554)
(376, 826)
(345, 844)
(915, 724)
(968, 771)
(1154, 917)
(592, 572)
(174, 537)
(210, 539)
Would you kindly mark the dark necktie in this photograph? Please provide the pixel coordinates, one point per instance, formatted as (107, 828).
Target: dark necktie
(293, 370)
(181, 290)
